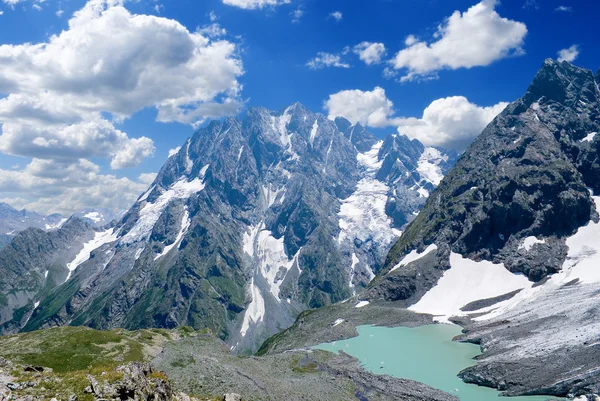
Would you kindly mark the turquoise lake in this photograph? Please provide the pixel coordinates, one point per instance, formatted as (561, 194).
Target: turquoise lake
(426, 354)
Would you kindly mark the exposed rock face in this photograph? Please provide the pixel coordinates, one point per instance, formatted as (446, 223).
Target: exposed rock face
(32, 265)
(521, 199)
(253, 221)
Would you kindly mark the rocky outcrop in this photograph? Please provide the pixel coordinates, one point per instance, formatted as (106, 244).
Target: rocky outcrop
(139, 382)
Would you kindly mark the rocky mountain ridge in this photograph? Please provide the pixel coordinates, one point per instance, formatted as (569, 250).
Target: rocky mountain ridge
(251, 222)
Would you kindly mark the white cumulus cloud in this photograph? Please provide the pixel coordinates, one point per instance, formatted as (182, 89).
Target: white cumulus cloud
(569, 54)
(370, 53)
(476, 37)
(451, 122)
(65, 98)
(48, 186)
(370, 108)
(254, 4)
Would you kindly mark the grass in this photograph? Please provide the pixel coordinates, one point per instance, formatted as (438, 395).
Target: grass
(75, 352)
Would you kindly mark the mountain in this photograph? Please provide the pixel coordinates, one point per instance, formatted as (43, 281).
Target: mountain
(253, 221)
(33, 264)
(508, 244)
(13, 221)
(100, 217)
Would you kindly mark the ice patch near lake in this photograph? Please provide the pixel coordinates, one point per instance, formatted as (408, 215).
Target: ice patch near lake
(465, 282)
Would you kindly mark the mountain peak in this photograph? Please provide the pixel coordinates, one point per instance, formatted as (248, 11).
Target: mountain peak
(562, 82)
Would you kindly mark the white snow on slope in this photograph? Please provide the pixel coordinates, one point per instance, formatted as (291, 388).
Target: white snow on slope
(313, 132)
(100, 238)
(270, 194)
(362, 215)
(355, 261)
(414, 255)
(337, 322)
(52, 226)
(94, 216)
(428, 166)
(189, 164)
(269, 255)
(590, 137)
(185, 224)
(149, 214)
(529, 242)
(467, 281)
(147, 193)
(256, 310)
(361, 304)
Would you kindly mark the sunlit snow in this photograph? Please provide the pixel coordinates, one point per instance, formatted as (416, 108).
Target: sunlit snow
(256, 310)
(150, 212)
(185, 224)
(414, 255)
(100, 238)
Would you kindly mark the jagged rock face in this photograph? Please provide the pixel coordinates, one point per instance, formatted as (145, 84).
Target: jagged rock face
(521, 200)
(13, 221)
(32, 265)
(253, 221)
(526, 175)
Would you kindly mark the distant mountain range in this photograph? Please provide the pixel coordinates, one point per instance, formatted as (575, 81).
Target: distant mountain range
(13, 221)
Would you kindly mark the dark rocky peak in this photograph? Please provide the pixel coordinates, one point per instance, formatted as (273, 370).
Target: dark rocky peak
(564, 83)
(342, 124)
(527, 175)
(358, 135)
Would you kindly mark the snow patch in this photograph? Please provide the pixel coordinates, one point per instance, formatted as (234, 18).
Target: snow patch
(189, 164)
(428, 165)
(270, 194)
(147, 194)
(55, 226)
(338, 322)
(94, 216)
(355, 261)
(185, 224)
(413, 256)
(590, 137)
(256, 310)
(362, 304)
(467, 281)
(529, 242)
(100, 238)
(149, 214)
(313, 132)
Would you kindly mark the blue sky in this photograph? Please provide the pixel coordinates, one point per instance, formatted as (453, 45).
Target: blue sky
(76, 126)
